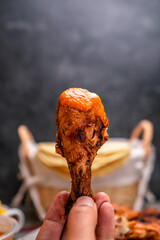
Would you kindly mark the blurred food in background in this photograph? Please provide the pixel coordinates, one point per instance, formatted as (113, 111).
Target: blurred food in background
(11, 221)
(122, 168)
(2, 209)
(109, 157)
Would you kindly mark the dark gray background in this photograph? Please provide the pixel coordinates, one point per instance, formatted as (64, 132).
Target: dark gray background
(46, 46)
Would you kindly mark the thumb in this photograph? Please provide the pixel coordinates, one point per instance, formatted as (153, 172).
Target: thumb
(82, 220)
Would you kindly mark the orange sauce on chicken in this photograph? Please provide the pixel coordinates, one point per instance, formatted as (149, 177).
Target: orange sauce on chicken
(83, 100)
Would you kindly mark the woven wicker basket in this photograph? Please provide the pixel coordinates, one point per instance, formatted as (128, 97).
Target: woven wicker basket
(43, 195)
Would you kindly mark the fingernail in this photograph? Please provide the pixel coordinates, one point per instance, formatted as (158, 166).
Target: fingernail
(85, 201)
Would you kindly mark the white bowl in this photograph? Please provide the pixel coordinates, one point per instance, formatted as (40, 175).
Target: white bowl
(14, 213)
(8, 227)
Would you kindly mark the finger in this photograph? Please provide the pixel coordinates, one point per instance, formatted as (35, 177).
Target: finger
(106, 224)
(55, 219)
(100, 198)
(82, 220)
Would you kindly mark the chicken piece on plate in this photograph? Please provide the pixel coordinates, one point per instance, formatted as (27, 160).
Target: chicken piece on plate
(131, 225)
(81, 130)
(146, 226)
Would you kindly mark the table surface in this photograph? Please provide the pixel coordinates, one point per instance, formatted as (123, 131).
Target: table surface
(32, 223)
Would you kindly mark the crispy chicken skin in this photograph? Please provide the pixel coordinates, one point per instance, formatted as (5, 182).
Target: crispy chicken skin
(81, 130)
(143, 225)
(146, 226)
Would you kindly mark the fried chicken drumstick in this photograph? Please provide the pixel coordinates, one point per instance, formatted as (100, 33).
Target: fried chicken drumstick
(81, 130)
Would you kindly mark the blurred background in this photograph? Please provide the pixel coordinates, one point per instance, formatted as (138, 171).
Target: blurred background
(46, 46)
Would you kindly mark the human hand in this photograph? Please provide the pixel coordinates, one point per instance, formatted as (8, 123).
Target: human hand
(86, 220)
